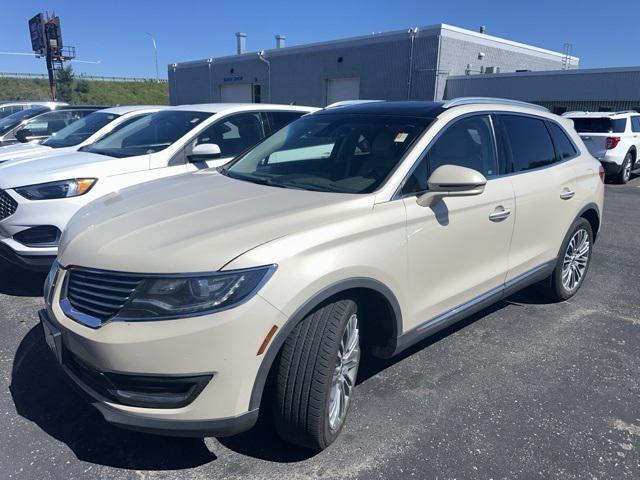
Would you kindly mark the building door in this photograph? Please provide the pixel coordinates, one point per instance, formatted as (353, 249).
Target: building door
(339, 89)
(236, 93)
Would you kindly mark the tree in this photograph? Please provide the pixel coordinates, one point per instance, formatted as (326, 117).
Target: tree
(64, 80)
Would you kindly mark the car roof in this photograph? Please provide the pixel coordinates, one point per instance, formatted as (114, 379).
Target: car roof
(598, 114)
(81, 107)
(222, 107)
(132, 108)
(412, 108)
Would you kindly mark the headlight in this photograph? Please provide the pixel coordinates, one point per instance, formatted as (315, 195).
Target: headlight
(62, 189)
(184, 296)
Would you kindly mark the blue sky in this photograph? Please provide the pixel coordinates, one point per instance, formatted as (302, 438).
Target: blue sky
(113, 31)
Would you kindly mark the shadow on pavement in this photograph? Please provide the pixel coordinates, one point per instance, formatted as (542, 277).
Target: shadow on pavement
(41, 394)
(20, 283)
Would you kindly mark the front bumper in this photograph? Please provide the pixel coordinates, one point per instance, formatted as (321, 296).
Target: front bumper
(29, 214)
(223, 345)
(40, 263)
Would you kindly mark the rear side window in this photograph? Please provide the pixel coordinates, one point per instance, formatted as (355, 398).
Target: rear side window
(529, 142)
(599, 125)
(280, 119)
(635, 124)
(564, 147)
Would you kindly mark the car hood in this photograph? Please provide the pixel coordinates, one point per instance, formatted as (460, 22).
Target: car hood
(60, 166)
(12, 151)
(196, 222)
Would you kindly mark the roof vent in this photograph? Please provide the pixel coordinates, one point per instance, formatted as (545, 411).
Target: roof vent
(280, 39)
(483, 29)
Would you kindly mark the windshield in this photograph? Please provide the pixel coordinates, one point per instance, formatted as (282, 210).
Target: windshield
(7, 123)
(346, 153)
(599, 125)
(78, 131)
(149, 134)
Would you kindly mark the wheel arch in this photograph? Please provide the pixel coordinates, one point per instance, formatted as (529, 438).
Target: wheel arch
(591, 213)
(381, 331)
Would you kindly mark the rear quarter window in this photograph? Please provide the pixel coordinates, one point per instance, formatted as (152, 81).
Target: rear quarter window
(564, 146)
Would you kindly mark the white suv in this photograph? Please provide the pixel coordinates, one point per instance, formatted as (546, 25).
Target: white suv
(37, 198)
(613, 138)
(78, 134)
(367, 226)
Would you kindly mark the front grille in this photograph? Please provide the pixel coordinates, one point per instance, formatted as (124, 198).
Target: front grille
(100, 294)
(8, 205)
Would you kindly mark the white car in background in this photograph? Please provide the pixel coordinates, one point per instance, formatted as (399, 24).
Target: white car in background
(38, 198)
(80, 133)
(611, 137)
(9, 108)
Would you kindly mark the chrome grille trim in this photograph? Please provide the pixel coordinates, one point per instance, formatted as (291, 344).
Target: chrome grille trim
(8, 205)
(95, 296)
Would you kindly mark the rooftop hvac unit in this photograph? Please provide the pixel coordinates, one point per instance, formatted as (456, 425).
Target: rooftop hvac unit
(492, 70)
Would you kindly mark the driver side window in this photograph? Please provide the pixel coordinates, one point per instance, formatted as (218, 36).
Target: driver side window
(467, 143)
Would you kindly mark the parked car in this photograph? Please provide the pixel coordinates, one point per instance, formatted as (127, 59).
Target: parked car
(79, 133)
(367, 226)
(39, 123)
(38, 198)
(8, 108)
(613, 138)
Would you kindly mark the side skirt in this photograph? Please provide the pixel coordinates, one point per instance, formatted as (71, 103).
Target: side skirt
(480, 302)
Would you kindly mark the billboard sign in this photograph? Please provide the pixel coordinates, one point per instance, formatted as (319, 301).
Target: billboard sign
(36, 30)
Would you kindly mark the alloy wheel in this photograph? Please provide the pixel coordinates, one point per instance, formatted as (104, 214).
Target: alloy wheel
(576, 258)
(344, 374)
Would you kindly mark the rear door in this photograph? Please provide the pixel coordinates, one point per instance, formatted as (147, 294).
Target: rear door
(635, 128)
(544, 183)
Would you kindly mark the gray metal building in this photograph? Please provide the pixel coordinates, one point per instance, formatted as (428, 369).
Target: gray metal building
(600, 89)
(410, 64)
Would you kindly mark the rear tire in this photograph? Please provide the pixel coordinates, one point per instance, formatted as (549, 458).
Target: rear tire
(321, 354)
(625, 174)
(573, 262)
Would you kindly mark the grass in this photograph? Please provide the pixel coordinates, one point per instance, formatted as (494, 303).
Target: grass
(88, 91)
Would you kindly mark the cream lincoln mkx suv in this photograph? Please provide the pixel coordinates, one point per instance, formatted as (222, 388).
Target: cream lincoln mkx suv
(179, 305)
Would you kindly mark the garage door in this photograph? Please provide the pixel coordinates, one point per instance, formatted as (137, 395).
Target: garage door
(236, 93)
(339, 89)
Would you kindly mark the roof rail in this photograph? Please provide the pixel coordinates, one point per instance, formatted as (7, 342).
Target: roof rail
(351, 102)
(626, 111)
(456, 102)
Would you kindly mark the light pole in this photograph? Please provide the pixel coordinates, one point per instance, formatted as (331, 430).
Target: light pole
(155, 49)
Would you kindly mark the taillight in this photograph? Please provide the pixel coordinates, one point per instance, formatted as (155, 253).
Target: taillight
(601, 173)
(612, 142)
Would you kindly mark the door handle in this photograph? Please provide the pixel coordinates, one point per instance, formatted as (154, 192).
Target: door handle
(499, 214)
(567, 194)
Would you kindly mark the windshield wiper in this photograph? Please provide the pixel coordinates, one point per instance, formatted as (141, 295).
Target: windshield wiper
(261, 181)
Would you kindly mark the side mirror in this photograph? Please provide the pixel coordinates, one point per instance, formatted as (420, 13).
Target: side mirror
(452, 181)
(23, 135)
(204, 151)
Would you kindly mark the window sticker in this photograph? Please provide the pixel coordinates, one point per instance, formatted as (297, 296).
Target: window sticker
(401, 137)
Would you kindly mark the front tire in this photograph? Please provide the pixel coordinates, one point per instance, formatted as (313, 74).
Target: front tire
(315, 376)
(573, 262)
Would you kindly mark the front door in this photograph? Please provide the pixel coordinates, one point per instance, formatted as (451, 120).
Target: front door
(458, 248)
